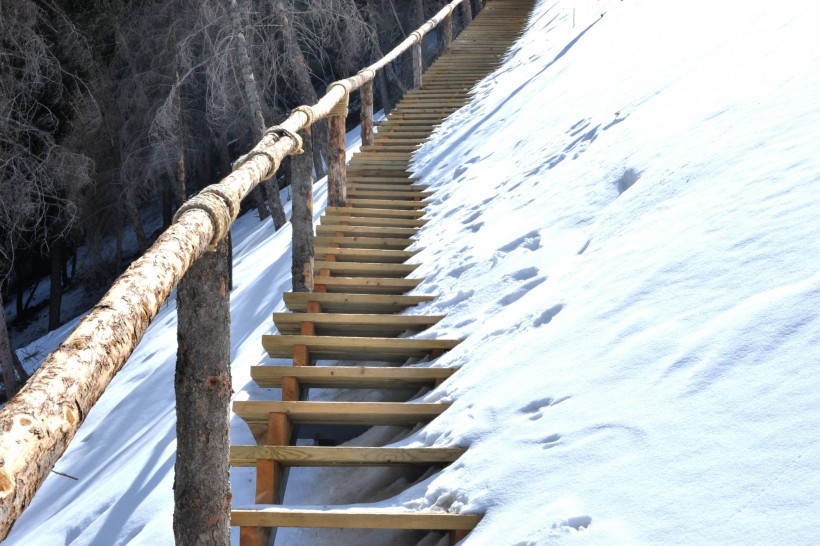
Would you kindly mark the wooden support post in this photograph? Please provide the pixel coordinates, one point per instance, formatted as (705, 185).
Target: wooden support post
(301, 176)
(448, 32)
(336, 190)
(458, 535)
(366, 95)
(270, 478)
(467, 12)
(202, 487)
(418, 66)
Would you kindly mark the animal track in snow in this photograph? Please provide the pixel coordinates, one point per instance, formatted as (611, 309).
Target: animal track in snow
(521, 291)
(530, 241)
(551, 441)
(547, 316)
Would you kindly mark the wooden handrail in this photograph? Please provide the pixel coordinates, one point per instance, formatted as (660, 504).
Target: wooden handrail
(37, 424)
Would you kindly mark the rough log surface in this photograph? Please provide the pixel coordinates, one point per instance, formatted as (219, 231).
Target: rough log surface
(301, 179)
(202, 488)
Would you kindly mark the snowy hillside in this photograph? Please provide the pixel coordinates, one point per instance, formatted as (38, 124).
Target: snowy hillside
(625, 234)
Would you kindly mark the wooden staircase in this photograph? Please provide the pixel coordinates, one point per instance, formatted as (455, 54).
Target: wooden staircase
(363, 272)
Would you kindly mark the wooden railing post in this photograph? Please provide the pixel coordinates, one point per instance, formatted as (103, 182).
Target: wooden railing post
(417, 66)
(301, 177)
(447, 26)
(202, 488)
(336, 187)
(366, 95)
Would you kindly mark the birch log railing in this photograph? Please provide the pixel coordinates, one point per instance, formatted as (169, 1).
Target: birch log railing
(37, 425)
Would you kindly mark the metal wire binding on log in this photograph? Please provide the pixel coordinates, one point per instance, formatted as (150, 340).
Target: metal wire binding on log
(277, 132)
(307, 111)
(340, 109)
(216, 206)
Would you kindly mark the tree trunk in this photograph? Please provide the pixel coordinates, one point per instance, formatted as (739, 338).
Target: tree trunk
(336, 167)
(136, 221)
(56, 289)
(298, 68)
(6, 359)
(202, 489)
(301, 181)
(366, 95)
(255, 107)
(181, 191)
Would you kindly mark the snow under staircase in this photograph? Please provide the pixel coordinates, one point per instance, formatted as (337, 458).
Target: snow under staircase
(363, 271)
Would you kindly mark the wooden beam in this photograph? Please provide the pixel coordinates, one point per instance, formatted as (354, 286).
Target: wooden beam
(343, 456)
(351, 377)
(359, 269)
(340, 413)
(367, 285)
(353, 303)
(351, 518)
(353, 324)
(355, 348)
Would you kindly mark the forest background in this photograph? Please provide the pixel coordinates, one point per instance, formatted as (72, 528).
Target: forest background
(114, 112)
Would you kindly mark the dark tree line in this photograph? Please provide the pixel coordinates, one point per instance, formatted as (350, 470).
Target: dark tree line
(114, 112)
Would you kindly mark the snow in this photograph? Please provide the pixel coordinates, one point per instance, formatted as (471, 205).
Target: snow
(624, 234)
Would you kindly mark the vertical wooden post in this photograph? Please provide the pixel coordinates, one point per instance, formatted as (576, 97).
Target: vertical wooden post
(270, 478)
(366, 95)
(448, 32)
(301, 176)
(336, 190)
(202, 487)
(467, 12)
(418, 66)
(456, 536)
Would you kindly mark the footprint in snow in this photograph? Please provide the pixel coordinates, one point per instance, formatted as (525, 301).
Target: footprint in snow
(530, 241)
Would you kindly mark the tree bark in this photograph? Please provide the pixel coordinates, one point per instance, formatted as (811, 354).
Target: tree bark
(366, 95)
(6, 359)
(136, 221)
(336, 190)
(202, 489)
(301, 181)
(181, 191)
(56, 290)
(301, 78)
(255, 107)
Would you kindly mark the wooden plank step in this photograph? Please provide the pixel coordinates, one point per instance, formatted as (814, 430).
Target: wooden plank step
(352, 303)
(402, 204)
(386, 349)
(370, 255)
(340, 413)
(393, 186)
(338, 219)
(366, 285)
(394, 232)
(344, 456)
(365, 269)
(351, 377)
(352, 518)
(375, 243)
(353, 324)
(354, 192)
(356, 207)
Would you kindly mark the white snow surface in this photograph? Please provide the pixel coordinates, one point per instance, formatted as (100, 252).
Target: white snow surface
(625, 235)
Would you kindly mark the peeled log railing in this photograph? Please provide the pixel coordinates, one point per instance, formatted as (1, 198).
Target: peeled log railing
(37, 425)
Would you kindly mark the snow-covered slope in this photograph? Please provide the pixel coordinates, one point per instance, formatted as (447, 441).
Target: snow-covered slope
(625, 235)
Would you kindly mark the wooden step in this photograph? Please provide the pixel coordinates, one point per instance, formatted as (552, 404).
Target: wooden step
(353, 324)
(370, 255)
(386, 193)
(377, 349)
(352, 219)
(360, 269)
(393, 232)
(344, 456)
(352, 518)
(365, 285)
(351, 377)
(352, 303)
(375, 243)
(408, 211)
(340, 413)
(403, 205)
